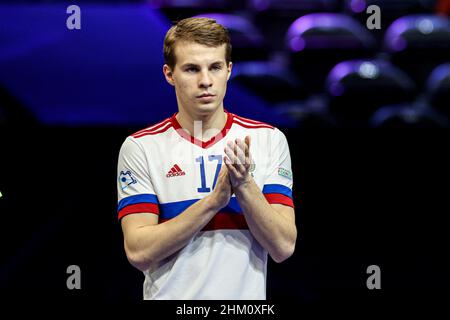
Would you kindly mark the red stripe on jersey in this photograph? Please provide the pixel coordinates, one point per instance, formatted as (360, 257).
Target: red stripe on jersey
(203, 144)
(152, 128)
(223, 220)
(273, 198)
(249, 121)
(139, 208)
(177, 167)
(173, 170)
(252, 126)
(153, 132)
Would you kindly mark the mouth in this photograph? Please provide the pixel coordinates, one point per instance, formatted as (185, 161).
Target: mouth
(206, 97)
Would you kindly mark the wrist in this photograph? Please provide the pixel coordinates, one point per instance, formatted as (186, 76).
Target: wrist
(213, 202)
(243, 185)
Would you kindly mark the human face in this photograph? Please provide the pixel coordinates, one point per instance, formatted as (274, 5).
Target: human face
(200, 77)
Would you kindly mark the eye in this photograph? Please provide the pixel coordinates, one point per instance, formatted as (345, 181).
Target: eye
(216, 67)
(191, 69)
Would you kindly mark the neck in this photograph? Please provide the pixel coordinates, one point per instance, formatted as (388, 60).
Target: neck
(202, 127)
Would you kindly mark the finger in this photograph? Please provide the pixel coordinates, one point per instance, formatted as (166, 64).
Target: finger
(240, 153)
(231, 156)
(244, 155)
(231, 169)
(223, 173)
(244, 148)
(230, 147)
(236, 150)
(247, 143)
(223, 170)
(240, 144)
(223, 178)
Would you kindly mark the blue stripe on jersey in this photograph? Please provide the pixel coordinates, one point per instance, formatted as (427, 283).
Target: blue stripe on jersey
(139, 198)
(232, 206)
(172, 209)
(277, 188)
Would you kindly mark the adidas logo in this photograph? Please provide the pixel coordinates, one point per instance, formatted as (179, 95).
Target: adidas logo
(175, 171)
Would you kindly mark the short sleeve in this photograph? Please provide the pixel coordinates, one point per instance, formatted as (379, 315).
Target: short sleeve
(278, 185)
(134, 186)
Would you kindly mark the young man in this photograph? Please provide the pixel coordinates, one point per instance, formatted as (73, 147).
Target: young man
(206, 195)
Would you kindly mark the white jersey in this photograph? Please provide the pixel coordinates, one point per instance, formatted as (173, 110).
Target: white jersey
(163, 170)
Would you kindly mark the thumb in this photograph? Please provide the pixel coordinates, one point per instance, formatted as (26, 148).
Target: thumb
(247, 141)
(223, 170)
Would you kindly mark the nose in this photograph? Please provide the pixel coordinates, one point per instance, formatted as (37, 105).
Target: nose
(205, 80)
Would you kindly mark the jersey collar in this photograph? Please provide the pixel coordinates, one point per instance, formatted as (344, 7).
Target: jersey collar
(203, 144)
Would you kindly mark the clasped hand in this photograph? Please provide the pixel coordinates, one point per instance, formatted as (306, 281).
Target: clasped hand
(238, 161)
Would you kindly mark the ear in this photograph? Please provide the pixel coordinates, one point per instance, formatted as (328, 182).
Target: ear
(168, 74)
(230, 67)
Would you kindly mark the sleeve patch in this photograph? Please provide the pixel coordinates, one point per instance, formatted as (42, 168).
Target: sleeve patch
(126, 178)
(285, 173)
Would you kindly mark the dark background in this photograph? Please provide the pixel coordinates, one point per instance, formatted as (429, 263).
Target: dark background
(365, 194)
(362, 198)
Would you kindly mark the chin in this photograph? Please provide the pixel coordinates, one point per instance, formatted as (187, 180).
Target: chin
(207, 108)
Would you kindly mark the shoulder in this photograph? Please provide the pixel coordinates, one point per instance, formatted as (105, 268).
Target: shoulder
(154, 129)
(148, 139)
(131, 146)
(263, 129)
(250, 123)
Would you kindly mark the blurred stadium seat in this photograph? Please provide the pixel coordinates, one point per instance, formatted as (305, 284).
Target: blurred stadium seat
(357, 88)
(438, 89)
(274, 17)
(248, 42)
(407, 116)
(283, 51)
(414, 38)
(390, 9)
(307, 114)
(271, 81)
(318, 41)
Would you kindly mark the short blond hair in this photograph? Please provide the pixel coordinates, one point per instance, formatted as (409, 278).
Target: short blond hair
(204, 31)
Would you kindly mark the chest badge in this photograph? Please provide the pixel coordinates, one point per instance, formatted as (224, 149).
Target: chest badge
(175, 172)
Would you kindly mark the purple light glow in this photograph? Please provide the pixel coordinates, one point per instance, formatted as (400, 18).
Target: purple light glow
(393, 37)
(425, 24)
(358, 6)
(297, 44)
(326, 22)
(336, 89)
(261, 5)
(398, 44)
(342, 69)
(439, 74)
